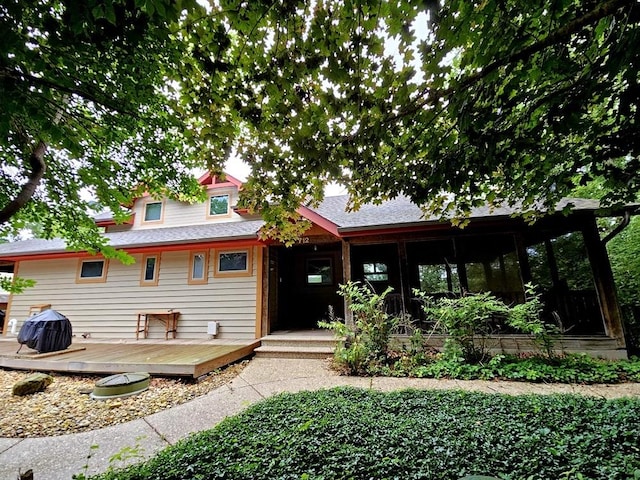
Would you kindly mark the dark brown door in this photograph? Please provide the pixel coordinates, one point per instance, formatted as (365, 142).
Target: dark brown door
(308, 281)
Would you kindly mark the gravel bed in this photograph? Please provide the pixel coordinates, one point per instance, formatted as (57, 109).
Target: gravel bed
(66, 407)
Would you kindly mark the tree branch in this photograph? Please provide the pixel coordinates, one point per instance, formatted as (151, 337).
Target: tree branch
(25, 77)
(38, 166)
(432, 97)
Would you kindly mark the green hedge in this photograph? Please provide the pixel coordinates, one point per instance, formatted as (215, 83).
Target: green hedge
(349, 433)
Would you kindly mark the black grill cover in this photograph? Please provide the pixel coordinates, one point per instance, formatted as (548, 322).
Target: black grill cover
(48, 331)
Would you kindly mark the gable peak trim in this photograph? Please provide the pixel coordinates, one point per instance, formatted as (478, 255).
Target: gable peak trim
(215, 181)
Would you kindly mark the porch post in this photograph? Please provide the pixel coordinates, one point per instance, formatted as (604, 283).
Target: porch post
(605, 286)
(405, 283)
(523, 259)
(262, 291)
(460, 257)
(346, 276)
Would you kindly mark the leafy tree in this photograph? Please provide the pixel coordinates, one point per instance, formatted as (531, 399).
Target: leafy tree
(624, 251)
(452, 103)
(465, 100)
(624, 254)
(89, 109)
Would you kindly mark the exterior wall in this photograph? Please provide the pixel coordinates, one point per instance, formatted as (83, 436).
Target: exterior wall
(181, 213)
(109, 309)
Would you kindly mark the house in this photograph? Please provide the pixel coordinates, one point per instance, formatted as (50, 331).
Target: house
(207, 263)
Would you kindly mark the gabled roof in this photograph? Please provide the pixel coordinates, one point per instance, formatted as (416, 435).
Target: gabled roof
(151, 237)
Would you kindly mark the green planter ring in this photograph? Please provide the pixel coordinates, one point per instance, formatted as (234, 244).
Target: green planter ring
(121, 385)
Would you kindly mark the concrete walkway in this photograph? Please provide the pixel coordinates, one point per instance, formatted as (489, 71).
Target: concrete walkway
(53, 458)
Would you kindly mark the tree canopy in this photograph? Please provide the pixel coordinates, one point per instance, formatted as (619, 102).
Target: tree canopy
(89, 117)
(475, 101)
(452, 103)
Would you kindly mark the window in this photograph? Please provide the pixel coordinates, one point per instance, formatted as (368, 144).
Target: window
(319, 271)
(199, 269)
(218, 205)
(92, 271)
(375, 272)
(231, 263)
(153, 212)
(150, 268)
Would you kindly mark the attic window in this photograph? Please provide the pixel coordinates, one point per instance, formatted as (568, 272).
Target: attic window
(218, 205)
(153, 212)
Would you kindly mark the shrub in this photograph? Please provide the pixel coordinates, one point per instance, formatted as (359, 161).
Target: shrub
(365, 346)
(573, 368)
(467, 320)
(367, 340)
(526, 318)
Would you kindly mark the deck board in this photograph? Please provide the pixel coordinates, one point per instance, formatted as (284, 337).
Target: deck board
(168, 358)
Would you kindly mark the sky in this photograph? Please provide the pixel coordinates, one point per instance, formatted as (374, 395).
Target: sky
(240, 170)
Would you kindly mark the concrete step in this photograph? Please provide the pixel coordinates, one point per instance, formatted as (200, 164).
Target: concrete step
(292, 341)
(298, 351)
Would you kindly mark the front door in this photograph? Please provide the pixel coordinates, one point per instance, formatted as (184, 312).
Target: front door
(308, 277)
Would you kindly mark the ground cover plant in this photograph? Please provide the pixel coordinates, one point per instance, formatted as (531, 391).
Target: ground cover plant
(348, 433)
(367, 346)
(570, 368)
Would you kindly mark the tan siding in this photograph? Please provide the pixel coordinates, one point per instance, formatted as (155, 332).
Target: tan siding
(109, 310)
(181, 214)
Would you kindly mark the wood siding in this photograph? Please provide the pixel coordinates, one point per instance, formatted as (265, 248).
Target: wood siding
(178, 214)
(109, 309)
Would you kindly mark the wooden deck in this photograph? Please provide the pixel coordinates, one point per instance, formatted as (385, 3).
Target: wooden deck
(190, 358)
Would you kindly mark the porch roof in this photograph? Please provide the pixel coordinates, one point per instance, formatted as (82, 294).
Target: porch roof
(401, 212)
(152, 237)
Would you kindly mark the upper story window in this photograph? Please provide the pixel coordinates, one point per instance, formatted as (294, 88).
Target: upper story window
(218, 205)
(198, 268)
(150, 269)
(92, 271)
(233, 263)
(153, 212)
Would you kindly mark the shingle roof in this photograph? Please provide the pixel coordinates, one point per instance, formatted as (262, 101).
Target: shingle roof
(148, 237)
(107, 215)
(401, 212)
(397, 213)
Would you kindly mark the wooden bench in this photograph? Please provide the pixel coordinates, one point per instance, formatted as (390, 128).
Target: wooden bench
(168, 317)
(35, 309)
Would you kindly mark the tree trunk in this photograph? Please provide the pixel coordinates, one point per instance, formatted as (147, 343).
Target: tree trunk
(36, 162)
